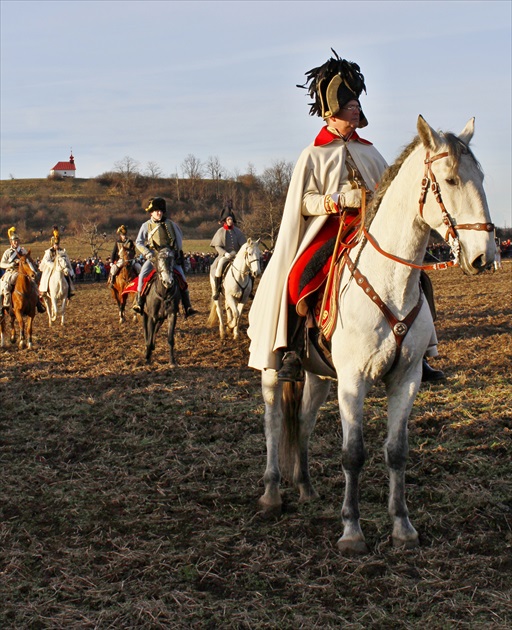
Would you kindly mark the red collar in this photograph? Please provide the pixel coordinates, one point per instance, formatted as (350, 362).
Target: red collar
(326, 137)
(226, 226)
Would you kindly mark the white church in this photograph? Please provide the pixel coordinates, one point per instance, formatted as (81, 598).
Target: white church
(64, 169)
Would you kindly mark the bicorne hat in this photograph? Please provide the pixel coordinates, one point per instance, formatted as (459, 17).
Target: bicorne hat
(121, 229)
(157, 203)
(332, 85)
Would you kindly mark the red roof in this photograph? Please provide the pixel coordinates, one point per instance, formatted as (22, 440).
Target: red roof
(64, 166)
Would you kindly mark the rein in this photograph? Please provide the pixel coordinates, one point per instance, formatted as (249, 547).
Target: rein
(400, 328)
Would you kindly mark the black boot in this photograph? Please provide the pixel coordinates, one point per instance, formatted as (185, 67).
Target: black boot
(185, 298)
(430, 374)
(291, 368)
(40, 306)
(138, 304)
(218, 288)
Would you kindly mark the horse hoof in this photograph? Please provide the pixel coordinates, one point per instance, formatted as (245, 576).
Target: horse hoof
(400, 543)
(351, 546)
(268, 512)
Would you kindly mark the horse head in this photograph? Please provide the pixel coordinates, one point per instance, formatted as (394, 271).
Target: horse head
(27, 266)
(253, 257)
(61, 261)
(164, 265)
(457, 208)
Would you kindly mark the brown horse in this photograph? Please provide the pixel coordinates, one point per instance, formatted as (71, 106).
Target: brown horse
(24, 302)
(122, 279)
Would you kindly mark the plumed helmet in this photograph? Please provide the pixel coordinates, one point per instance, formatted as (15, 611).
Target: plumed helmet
(333, 85)
(121, 229)
(12, 234)
(55, 239)
(157, 203)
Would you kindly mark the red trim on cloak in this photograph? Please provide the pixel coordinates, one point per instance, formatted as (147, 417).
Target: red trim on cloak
(326, 137)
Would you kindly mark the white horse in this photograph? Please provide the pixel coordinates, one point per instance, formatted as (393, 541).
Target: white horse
(236, 288)
(56, 297)
(375, 337)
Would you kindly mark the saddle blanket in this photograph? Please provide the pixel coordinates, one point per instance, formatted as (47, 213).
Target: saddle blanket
(307, 279)
(132, 286)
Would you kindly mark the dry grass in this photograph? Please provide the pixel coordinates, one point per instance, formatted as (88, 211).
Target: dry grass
(128, 496)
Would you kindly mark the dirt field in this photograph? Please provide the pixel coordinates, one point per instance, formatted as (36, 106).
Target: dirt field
(128, 493)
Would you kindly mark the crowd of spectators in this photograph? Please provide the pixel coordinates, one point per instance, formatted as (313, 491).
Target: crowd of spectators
(97, 269)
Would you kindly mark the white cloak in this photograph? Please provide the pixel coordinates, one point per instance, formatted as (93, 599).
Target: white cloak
(320, 170)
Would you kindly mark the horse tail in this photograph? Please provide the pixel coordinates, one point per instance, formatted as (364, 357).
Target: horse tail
(289, 453)
(213, 317)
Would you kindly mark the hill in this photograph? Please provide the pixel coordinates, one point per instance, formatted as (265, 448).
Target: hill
(104, 203)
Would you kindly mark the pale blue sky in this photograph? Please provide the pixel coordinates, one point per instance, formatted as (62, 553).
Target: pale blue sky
(160, 80)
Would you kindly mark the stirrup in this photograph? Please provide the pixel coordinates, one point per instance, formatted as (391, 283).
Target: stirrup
(291, 371)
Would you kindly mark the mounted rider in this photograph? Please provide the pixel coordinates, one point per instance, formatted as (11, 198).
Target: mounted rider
(46, 265)
(124, 250)
(10, 262)
(327, 186)
(154, 234)
(227, 240)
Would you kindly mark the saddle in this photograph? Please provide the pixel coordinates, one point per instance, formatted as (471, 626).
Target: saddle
(148, 281)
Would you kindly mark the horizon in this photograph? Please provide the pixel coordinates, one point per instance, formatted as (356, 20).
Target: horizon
(151, 81)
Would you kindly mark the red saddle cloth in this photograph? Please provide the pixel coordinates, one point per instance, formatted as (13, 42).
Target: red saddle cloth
(132, 286)
(307, 279)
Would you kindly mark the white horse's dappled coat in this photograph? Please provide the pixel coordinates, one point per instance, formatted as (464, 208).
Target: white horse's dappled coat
(363, 344)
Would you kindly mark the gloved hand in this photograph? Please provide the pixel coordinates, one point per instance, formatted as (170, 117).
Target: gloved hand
(228, 255)
(149, 256)
(351, 198)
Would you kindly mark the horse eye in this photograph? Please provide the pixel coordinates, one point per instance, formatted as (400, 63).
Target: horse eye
(451, 181)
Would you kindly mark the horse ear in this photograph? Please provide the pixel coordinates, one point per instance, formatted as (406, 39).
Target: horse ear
(249, 241)
(430, 139)
(468, 131)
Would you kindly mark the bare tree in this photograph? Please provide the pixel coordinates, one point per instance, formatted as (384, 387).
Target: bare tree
(192, 167)
(215, 170)
(153, 170)
(92, 236)
(128, 169)
(265, 219)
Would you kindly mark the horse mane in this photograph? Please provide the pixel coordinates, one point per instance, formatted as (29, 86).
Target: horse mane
(456, 148)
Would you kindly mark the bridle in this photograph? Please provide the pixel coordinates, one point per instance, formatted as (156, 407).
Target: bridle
(243, 274)
(400, 328)
(451, 236)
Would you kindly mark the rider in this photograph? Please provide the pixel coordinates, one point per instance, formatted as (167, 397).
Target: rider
(124, 249)
(154, 234)
(10, 262)
(327, 179)
(47, 262)
(227, 240)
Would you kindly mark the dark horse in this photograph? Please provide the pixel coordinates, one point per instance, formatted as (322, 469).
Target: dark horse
(162, 302)
(125, 275)
(24, 302)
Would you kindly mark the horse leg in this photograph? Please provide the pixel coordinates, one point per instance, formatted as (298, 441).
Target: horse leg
(396, 449)
(220, 315)
(314, 396)
(30, 322)
(21, 325)
(63, 313)
(13, 327)
(170, 335)
(353, 458)
(48, 306)
(271, 501)
(149, 335)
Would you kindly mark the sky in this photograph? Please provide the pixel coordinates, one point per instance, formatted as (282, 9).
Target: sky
(158, 81)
